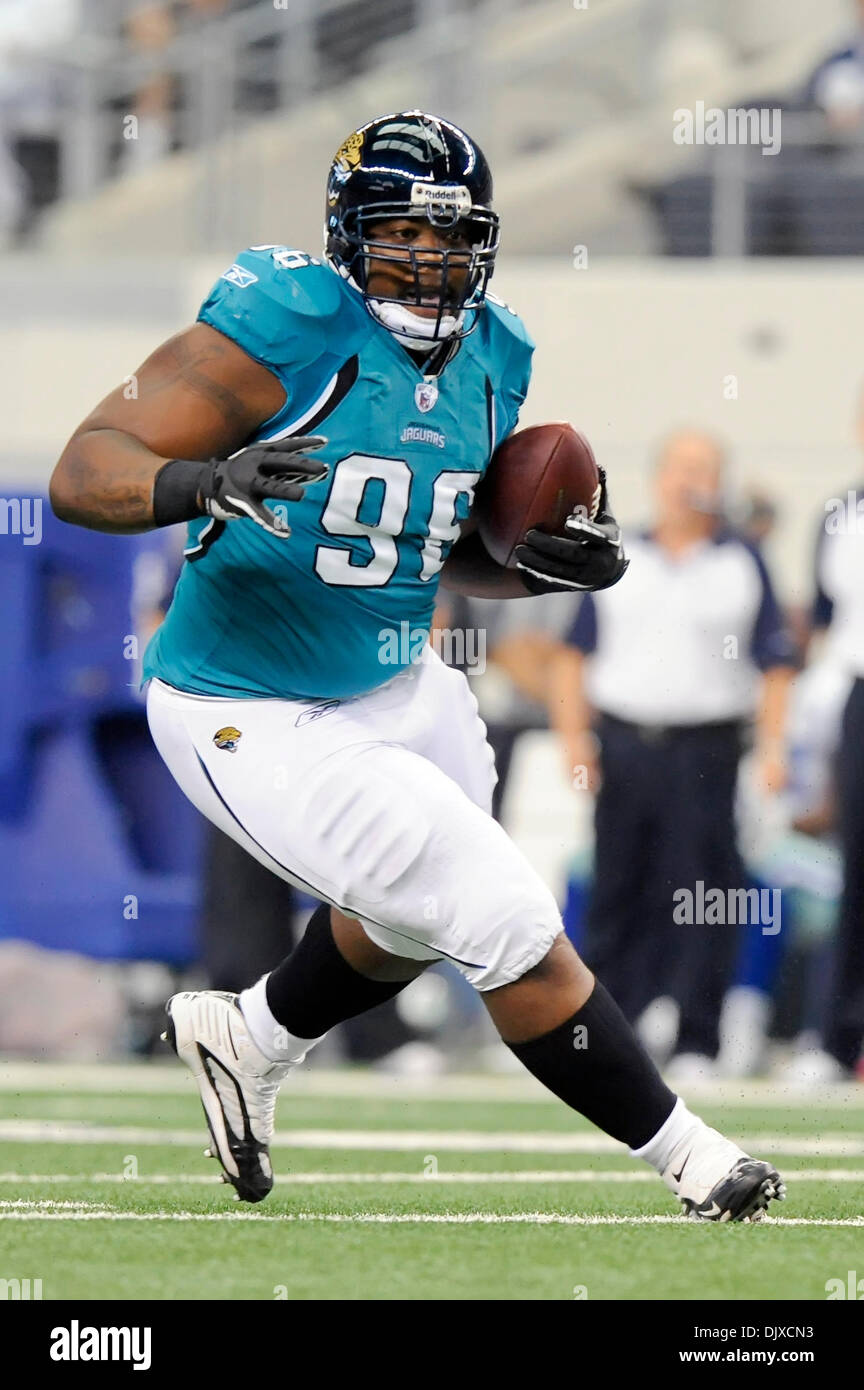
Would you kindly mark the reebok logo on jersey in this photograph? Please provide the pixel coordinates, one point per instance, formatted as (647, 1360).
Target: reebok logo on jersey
(316, 712)
(422, 434)
(238, 275)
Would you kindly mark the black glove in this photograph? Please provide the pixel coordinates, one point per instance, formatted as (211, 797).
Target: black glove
(590, 556)
(236, 487)
(229, 489)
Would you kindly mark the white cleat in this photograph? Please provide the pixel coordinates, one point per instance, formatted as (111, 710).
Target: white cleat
(811, 1068)
(717, 1181)
(690, 1069)
(238, 1085)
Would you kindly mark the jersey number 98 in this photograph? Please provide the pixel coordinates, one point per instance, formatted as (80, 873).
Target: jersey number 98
(352, 493)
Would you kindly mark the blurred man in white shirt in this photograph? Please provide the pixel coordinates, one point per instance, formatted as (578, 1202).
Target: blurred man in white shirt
(653, 695)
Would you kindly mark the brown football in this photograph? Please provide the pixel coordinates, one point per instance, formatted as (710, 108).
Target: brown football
(537, 477)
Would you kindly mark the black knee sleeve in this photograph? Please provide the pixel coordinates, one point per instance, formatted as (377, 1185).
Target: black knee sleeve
(316, 988)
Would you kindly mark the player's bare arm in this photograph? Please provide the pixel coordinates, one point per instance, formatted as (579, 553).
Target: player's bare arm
(163, 453)
(198, 396)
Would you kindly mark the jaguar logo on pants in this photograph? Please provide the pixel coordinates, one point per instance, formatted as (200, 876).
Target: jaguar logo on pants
(227, 739)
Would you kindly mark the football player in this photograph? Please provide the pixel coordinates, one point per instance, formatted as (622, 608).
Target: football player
(322, 429)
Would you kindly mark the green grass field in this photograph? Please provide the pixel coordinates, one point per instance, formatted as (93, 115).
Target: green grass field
(466, 1188)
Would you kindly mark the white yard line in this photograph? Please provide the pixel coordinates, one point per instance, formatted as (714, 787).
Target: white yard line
(51, 1204)
(517, 1175)
(43, 1212)
(169, 1078)
(831, 1145)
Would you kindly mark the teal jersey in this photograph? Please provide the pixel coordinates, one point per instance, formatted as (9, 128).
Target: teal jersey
(345, 602)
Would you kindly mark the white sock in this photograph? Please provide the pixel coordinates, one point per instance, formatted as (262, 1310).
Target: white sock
(659, 1150)
(268, 1035)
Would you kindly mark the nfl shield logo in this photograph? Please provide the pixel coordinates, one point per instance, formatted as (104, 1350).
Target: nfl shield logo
(425, 395)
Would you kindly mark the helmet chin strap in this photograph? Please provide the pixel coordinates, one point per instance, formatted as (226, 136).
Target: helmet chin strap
(411, 330)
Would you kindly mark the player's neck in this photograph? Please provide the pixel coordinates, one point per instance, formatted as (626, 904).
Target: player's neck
(419, 356)
(432, 363)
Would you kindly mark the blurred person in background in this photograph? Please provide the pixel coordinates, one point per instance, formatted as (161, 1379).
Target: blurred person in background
(837, 84)
(800, 854)
(149, 30)
(652, 694)
(839, 611)
(758, 519)
(31, 106)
